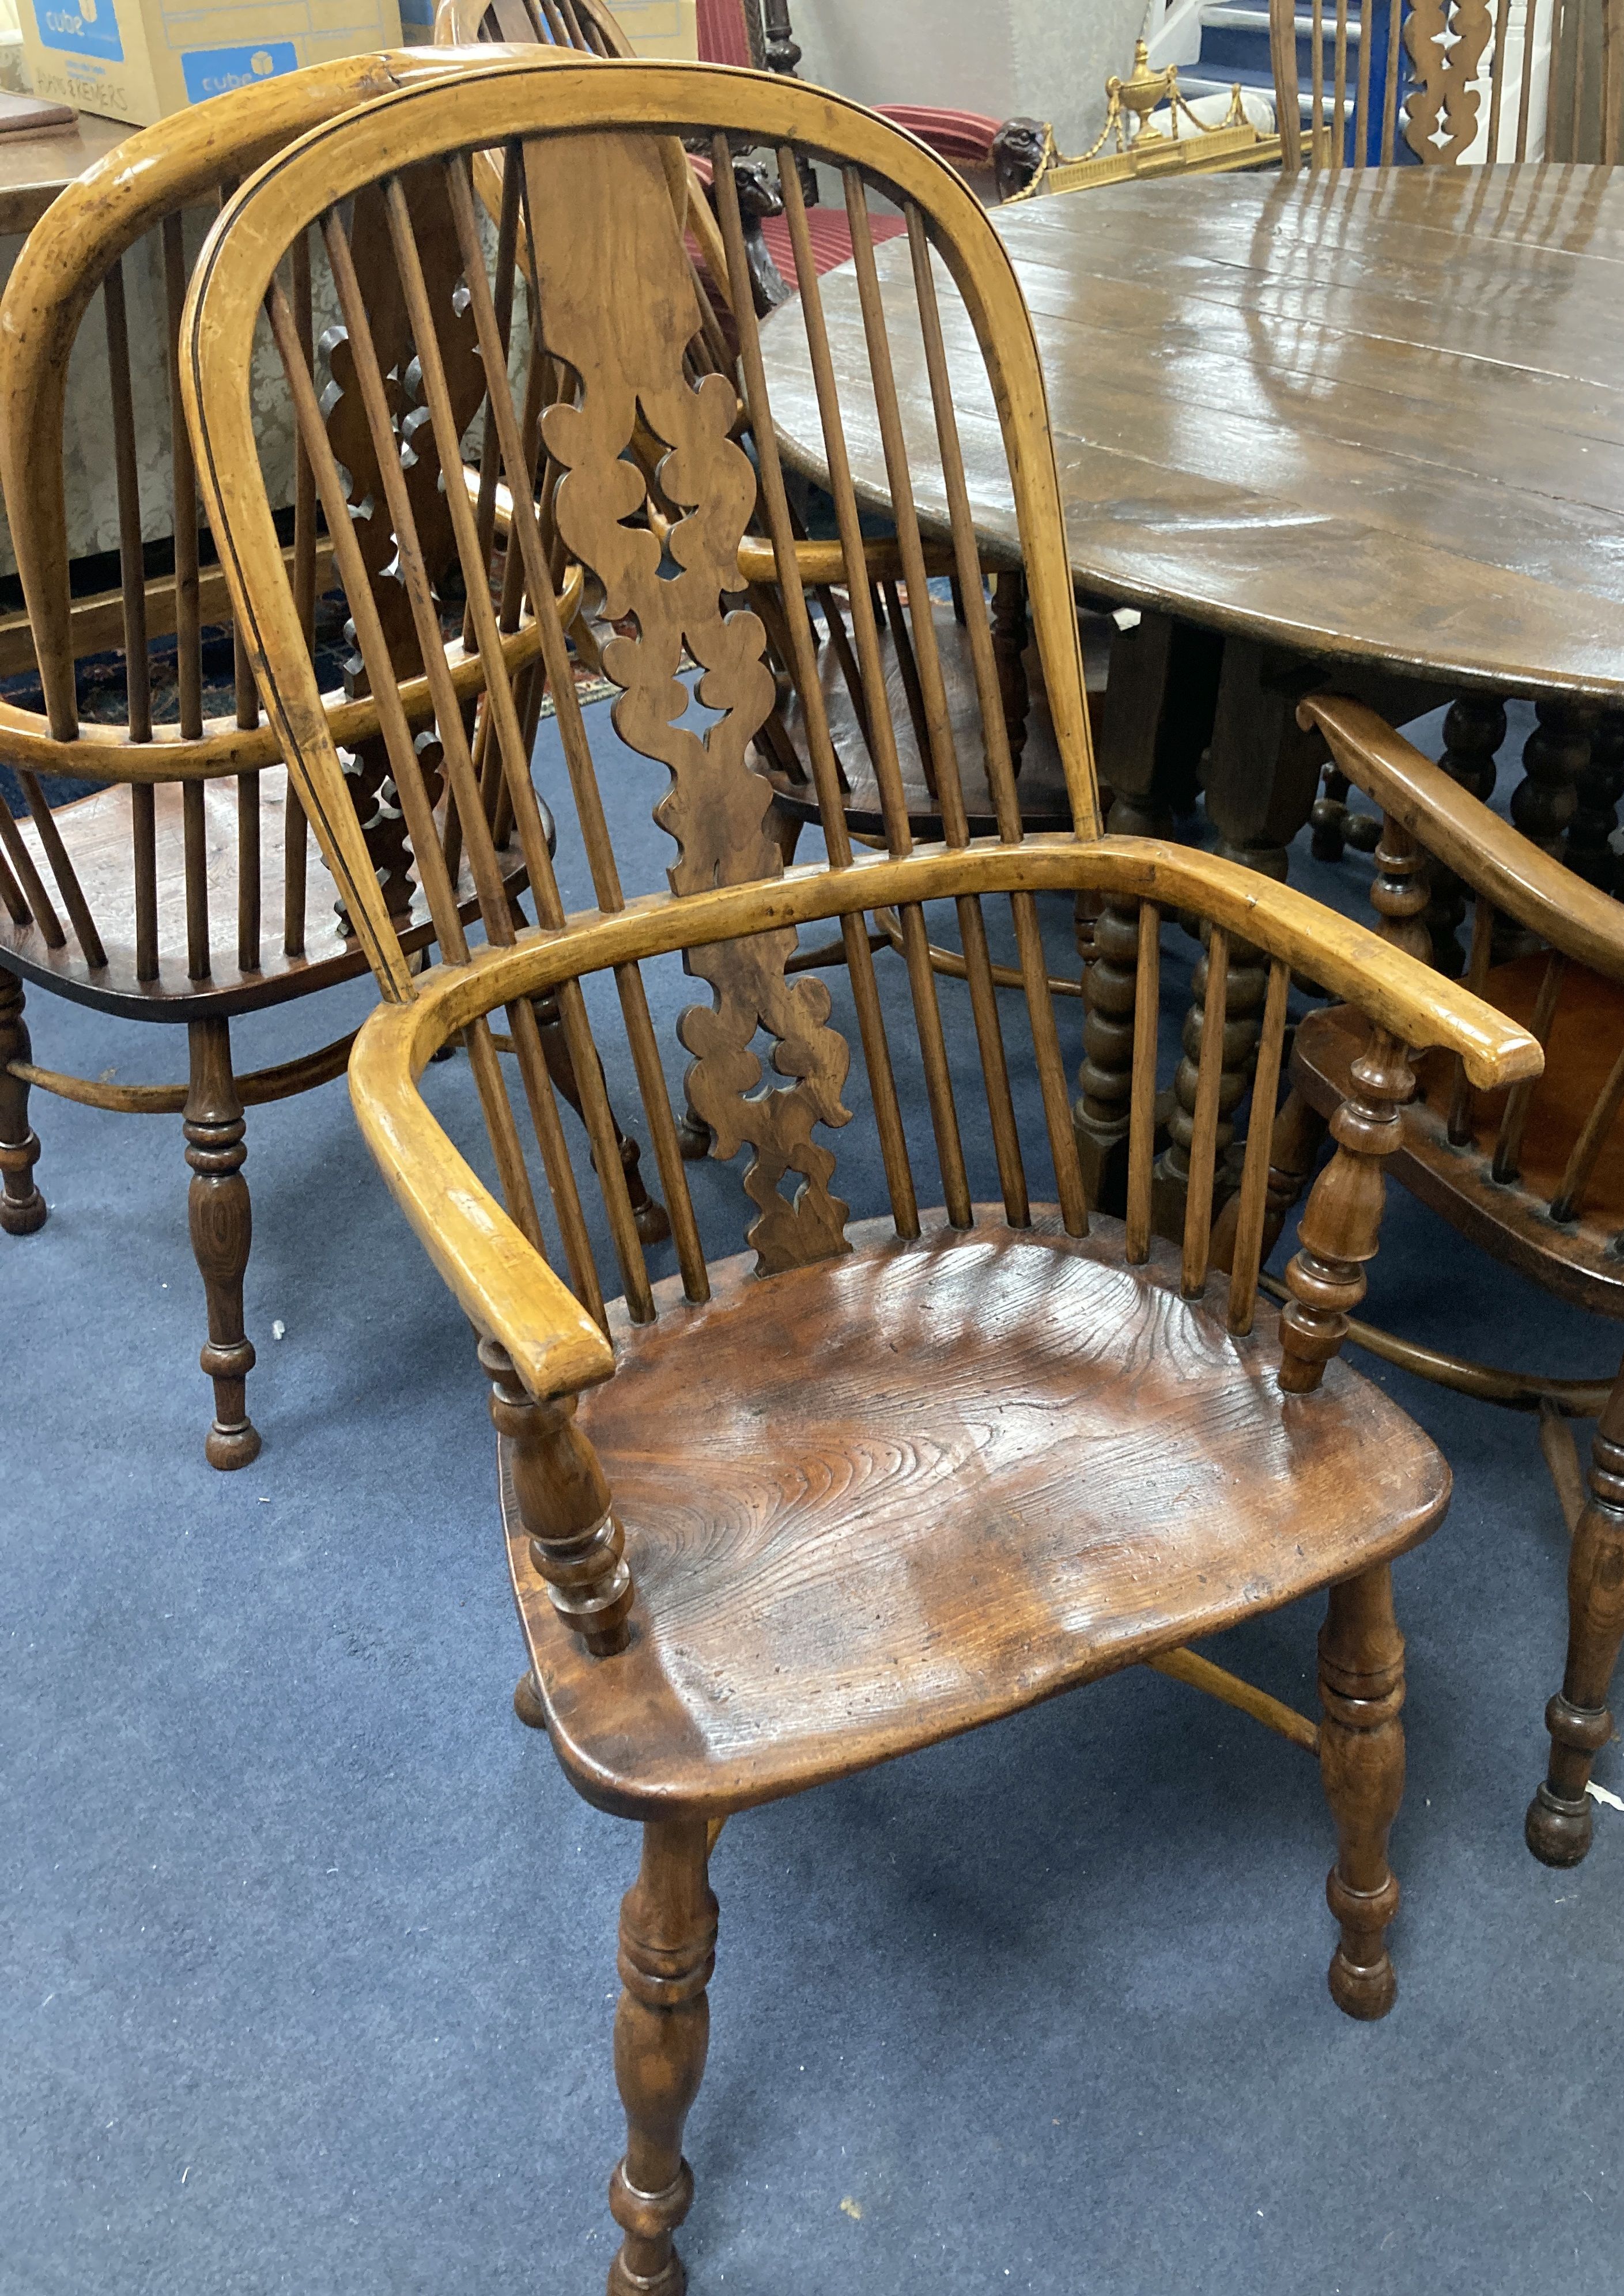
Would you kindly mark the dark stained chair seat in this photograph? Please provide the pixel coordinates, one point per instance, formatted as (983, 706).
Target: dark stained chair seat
(1040, 778)
(872, 1503)
(1578, 1258)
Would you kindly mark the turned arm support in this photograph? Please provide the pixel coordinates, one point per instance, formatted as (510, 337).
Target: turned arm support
(1499, 864)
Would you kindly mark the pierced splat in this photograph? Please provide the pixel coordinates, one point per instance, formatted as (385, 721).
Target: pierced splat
(628, 356)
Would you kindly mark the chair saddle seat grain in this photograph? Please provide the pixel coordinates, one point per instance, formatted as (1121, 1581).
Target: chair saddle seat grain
(1509, 1218)
(871, 1505)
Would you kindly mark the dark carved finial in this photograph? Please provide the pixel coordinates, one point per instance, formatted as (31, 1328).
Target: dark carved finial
(1018, 150)
(758, 197)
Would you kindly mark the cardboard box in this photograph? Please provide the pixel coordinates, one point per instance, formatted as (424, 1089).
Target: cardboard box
(139, 60)
(660, 28)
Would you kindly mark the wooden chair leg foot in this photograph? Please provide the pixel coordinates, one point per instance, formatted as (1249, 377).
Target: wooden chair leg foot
(22, 1208)
(1557, 1831)
(667, 1950)
(1361, 1760)
(230, 1445)
(221, 1221)
(1557, 1828)
(527, 1701)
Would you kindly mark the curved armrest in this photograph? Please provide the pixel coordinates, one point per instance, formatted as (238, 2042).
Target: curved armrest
(1495, 859)
(505, 1286)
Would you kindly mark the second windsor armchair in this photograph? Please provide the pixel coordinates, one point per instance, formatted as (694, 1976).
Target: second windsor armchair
(1535, 1176)
(772, 1519)
(186, 889)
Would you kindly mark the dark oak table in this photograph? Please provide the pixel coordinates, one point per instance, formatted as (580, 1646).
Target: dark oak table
(33, 169)
(1374, 420)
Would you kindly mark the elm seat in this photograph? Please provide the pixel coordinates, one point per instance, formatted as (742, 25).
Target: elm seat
(824, 1477)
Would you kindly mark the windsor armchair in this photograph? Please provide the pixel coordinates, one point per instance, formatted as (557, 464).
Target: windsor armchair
(1534, 1175)
(776, 1517)
(1447, 81)
(184, 888)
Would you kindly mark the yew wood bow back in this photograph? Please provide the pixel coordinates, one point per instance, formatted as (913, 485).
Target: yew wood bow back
(611, 450)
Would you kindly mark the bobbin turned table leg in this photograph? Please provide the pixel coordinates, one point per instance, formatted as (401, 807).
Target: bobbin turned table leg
(221, 1221)
(22, 1208)
(662, 2027)
(1543, 805)
(1559, 1818)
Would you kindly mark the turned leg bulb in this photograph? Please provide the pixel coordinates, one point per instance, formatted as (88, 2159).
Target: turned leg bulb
(1361, 1760)
(221, 1221)
(662, 2027)
(1558, 1825)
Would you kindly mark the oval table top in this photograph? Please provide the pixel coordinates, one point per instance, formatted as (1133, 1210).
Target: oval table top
(1372, 416)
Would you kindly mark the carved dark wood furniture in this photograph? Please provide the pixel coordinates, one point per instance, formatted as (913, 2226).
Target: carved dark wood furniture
(186, 888)
(880, 1480)
(1535, 1176)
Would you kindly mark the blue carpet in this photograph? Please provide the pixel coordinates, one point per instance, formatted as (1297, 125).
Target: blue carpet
(307, 1957)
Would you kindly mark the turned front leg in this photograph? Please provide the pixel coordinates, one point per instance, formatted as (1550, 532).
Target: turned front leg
(662, 2027)
(1559, 1818)
(1361, 1766)
(22, 1208)
(221, 1220)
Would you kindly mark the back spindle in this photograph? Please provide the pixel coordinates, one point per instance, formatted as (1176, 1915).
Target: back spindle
(1145, 1014)
(1203, 1135)
(1484, 925)
(1248, 1255)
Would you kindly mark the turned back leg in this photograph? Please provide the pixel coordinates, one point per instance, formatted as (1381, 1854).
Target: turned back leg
(1558, 1828)
(1361, 1762)
(22, 1208)
(222, 1229)
(668, 1949)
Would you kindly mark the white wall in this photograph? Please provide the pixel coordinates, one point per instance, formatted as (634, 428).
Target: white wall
(1048, 59)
